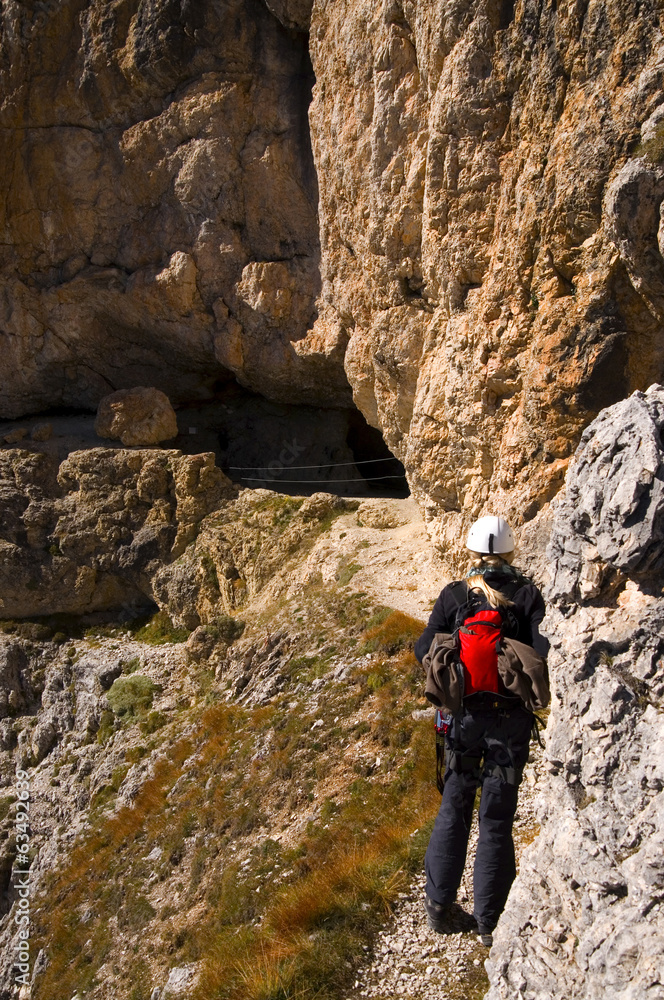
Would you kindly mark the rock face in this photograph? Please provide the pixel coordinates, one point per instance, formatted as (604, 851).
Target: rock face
(584, 918)
(239, 551)
(161, 226)
(118, 530)
(485, 263)
(139, 416)
(486, 241)
(614, 501)
(90, 534)
(12, 661)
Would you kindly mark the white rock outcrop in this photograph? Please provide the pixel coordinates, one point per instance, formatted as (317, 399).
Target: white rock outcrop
(585, 917)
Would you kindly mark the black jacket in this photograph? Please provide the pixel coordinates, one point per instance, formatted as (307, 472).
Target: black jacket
(528, 610)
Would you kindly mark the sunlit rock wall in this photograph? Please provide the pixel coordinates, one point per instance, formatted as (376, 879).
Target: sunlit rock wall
(159, 205)
(461, 231)
(489, 235)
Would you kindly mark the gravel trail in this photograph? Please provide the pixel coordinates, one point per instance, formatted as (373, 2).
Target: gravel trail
(410, 960)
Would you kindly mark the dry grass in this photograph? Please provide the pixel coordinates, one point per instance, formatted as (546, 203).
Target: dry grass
(89, 877)
(300, 936)
(267, 977)
(393, 633)
(311, 933)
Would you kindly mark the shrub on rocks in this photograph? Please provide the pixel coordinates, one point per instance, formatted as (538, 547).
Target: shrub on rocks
(131, 695)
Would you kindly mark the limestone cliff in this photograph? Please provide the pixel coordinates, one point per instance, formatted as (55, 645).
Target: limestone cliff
(584, 918)
(159, 221)
(473, 248)
(486, 239)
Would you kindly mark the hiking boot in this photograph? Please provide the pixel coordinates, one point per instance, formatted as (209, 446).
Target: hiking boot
(485, 936)
(437, 915)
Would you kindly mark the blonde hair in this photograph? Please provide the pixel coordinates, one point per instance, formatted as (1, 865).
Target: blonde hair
(476, 581)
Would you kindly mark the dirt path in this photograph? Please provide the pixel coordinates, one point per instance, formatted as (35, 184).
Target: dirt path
(410, 960)
(386, 546)
(384, 549)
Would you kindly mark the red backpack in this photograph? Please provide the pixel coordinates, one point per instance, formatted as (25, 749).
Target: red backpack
(479, 630)
(479, 638)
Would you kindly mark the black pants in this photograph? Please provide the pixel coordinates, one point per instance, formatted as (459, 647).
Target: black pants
(486, 747)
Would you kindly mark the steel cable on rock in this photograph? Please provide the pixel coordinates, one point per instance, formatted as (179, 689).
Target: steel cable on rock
(307, 482)
(324, 465)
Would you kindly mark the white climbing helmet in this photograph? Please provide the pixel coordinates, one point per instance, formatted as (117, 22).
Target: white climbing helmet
(490, 536)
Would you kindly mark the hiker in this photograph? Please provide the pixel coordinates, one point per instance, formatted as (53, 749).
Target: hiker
(487, 738)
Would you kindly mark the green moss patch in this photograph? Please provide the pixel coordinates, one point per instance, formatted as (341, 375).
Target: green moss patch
(653, 149)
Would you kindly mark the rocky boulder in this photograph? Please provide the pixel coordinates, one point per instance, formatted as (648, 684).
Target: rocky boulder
(584, 917)
(140, 416)
(91, 533)
(611, 520)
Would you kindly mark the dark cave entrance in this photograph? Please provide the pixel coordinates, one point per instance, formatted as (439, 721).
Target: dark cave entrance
(288, 448)
(291, 448)
(385, 474)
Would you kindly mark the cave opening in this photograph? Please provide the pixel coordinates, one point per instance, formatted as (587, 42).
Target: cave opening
(292, 448)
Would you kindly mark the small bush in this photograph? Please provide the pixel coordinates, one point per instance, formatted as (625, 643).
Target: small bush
(130, 666)
(134, 754)
(154, 721)
(210, 571)
(106, 727)
(107, 792)
(226, 628)
(160, 629)
(392, 633)
(653, 149)
(375, 680)
(131, 695)
(136, 913)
